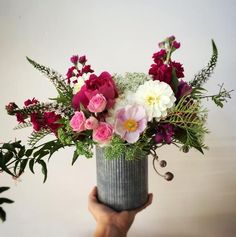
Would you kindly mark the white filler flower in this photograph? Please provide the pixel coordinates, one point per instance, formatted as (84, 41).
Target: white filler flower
(156, 97)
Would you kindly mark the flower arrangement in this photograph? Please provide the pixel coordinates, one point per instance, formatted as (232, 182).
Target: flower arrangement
(131, 114)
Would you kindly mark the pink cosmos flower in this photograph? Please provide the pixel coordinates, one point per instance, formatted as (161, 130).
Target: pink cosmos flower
(77, 122)
(130, 122)
(97, 103)
(91, 123)
(103, 133)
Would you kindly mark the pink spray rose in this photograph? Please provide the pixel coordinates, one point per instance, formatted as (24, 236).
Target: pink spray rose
(102, 84)
(103, 133)
(91, 123)
(77, 122)
(97, 103)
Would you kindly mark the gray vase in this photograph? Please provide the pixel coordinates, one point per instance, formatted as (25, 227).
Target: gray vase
(122, 184)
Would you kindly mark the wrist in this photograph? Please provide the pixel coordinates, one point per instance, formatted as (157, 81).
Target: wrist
(109, 231)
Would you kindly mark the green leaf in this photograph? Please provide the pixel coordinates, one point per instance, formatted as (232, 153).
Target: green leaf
(75, 156)
(31, 165)
(174, 81)
(5, 200)
(3, 189)
(16, 166)
(21, 152)
(2, 214)
(44, 169)
(28, 152)
(8, 146)
(22, 166)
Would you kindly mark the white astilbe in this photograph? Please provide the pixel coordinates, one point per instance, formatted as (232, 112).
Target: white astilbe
(130, 81)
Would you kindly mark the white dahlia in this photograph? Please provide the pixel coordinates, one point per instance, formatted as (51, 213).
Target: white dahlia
(156, 97)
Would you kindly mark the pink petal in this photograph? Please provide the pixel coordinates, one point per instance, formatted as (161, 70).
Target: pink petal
(132, 137)
(142, 124)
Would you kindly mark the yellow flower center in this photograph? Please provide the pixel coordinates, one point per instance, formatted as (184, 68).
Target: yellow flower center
(131, 125)
(151, 100)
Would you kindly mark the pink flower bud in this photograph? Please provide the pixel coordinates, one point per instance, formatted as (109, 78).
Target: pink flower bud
(74, 59)
(91, 123)
(77, 121)
(82, 59)
(97, 103)
(176, 44)
(103, 133)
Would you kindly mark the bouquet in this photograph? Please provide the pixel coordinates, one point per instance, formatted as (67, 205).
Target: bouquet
(132, 114)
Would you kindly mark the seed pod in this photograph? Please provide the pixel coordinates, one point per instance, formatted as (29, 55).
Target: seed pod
(163, 163)
(168, 176)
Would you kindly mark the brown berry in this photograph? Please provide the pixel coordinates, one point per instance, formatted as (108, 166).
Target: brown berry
(168, 176)
(163, 163)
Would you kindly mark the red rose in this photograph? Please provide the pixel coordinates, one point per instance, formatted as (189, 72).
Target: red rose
(102, 84)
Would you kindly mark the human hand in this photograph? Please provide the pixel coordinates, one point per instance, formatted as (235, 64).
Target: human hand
(109, 222)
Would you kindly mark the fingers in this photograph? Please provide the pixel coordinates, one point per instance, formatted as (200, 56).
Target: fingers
(93, 194)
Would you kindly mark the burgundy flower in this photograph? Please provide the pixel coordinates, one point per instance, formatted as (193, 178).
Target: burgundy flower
(11, 108)
(82, 59)
(183, 89)
(70, 73)
(102, 84)
(179, 70)
(74, 59)
(87, 69)
(176, 44)
(161, 73)
(160, 56)
(20, 118)
(37, 121)
(164, 133)
(31, 102)
(51, 120)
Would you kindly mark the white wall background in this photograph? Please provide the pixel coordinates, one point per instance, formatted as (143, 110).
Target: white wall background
(120, 36)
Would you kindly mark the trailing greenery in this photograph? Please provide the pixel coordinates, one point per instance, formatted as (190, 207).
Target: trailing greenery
(2, 201)
(203, 76)
(14, 157)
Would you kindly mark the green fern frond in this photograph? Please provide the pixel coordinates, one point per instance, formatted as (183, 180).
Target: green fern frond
(23, 125)
(36, 136)
(189, 118)
(202, 77)
(56, 78)
(40, 107)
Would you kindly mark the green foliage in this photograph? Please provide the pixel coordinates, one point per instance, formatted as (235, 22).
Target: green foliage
(23, 125)
(189, 119)
(57, 79)
(203, 76)
(118, 147)
(14, 157)
(2, 201)
(36, 136)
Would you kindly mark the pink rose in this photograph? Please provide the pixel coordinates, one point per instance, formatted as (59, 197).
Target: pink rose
(103, 133)
(91, 123)
(77, 121)
(97, 103)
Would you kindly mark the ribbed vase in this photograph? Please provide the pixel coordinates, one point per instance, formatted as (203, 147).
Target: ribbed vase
(122, 184)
